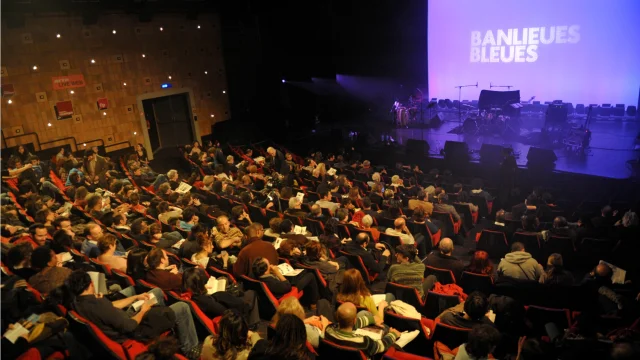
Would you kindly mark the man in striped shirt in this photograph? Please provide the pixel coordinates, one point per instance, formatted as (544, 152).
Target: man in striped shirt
(342, 332)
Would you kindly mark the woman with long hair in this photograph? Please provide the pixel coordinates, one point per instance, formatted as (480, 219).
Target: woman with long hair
(355, 291)
(314, 325)
(137, 263)
(481, 264)
(234, 339)
(288, 343)
(141, 151)
(555, 274)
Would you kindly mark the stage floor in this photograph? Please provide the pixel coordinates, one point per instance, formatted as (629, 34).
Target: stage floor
(612, 145)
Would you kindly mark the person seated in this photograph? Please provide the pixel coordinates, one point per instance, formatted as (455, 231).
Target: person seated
(18, 260)
(225, 236)
(376, 194)
(120, 224)
(194, 283)
(254, 248)
(325, 202)
(166, 211)
(360, 247)
(295, 208)
(162, 240)
(555, 274)
(468, 314)
(205, 256)
(274, 228)
(481, 342)
(354, 290)
(189, 218)
(315, 326)
(408, 270)
(443, 259)
(316, 213)
(529, 224)
(529, 206)
(476, 190)
(271, 276)
(107, 247)
(161, 273)
(481, 264)
(240, 216)
(342, 332)
(287, 232)
(119, 325)
(51, 273)
(518, 264)
(421, 201)
(367, 223)
(561, 229)
(419, 216)
(332, 271)
(330, 237)
(288, 343)
(463, 198)
(233, 340)
(402, 231)
(93, 232)
(442, 206)
(290, 251)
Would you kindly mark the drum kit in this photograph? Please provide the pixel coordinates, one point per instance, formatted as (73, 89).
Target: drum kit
(490, 122)
(405, 114)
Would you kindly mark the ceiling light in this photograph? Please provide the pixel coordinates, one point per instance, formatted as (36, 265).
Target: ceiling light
(35, 67)
(71, 92)
(104, 113)
(161, 28)
(224, 91)
(49, 124)
(205, 72)
(58, 36)
(125, 84)
(113, 31)
(169, 77)
(85, 144)
(9, 101)
(135, 133)
(213, 115)
(143, 55)
(93, 61)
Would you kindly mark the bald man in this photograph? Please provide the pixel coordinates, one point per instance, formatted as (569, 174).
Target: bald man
(360, 246)
(400, 229)
(443, 258)
(342, 331)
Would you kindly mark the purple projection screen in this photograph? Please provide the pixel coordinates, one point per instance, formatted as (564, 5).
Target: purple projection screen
(572, 50)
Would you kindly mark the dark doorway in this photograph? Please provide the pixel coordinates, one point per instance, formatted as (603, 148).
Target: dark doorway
(168, 121)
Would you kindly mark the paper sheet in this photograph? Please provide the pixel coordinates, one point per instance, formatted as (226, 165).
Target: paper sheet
(214, 285)
(17, 331)
(373, 332)
(378, 298)
(138, 304)
(406, 337)
(287, 270)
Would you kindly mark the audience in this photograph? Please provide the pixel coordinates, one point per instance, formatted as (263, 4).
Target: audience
(135, 214)
(443, 259)
(518, 264)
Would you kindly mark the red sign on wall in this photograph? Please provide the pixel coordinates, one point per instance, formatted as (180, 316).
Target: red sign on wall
(64, 110)
(68, 82)
(103, 104)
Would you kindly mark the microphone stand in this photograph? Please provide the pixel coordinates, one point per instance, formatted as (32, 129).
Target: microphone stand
(459, 87)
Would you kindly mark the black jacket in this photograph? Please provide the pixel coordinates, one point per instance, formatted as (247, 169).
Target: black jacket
(440, 261)
(368, 259)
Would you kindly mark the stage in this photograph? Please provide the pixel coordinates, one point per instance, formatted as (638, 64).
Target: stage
(612, 144)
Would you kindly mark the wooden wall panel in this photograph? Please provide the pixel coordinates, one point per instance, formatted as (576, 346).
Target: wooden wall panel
(181, 51)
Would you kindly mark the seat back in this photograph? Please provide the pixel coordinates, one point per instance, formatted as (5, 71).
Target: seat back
(217, 273)
(101, 267)
(258, 215)
(447, 222)
(267, 303)
(436, 303)
(123, 279)
(562, 246)
(392, 240)
(531, 242)
(343, 231)
(356, 263)
(471, 282)
(494, 243)
(539, 316)
(449, 335)
(188, 264)
(315, 227)
(403, 323)
(444, 276)
(481, 203)
(407, 294)
(330, 350)
(93, 338)
(143, 286)
(204, 326)
(416, 228)
(294, 219)
(464, 210)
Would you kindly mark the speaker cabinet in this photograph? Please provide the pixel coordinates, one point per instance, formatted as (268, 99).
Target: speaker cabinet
(417, 148)
(541, 159)
(491, 155)
(456, 152)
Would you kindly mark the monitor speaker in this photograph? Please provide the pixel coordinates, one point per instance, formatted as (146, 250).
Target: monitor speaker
(491, 155)
(456, 152)
(417, 147)
(436, 121)
(541, 159)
